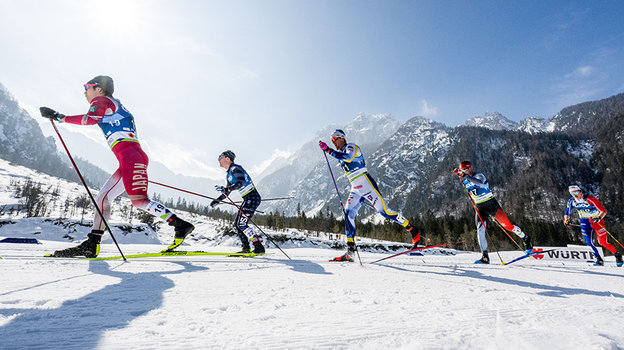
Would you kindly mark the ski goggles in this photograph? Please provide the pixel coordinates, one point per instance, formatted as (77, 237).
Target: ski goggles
(574, 193)
(87, 86)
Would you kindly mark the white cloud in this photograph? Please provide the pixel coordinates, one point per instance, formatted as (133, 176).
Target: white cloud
(427, 111)
(275, 159)
(583, 71)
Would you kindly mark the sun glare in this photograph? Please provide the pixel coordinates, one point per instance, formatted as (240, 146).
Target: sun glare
(118, 18)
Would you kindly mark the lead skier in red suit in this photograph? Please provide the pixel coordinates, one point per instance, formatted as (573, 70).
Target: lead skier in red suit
(118, 127)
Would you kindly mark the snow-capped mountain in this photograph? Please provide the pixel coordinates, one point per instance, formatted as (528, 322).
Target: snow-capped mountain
(533, 125)
(413, 165)
(369, 131)
(492, 121)
(586, 117)
(401, 162)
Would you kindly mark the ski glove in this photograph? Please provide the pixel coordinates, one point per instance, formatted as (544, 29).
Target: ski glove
(596, 219)
(214, 203)
(566, 222)
(323, 146)
(219, 188)
(51, 114)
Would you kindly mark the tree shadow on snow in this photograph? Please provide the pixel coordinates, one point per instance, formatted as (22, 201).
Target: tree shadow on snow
(80, 323)
(546, 290)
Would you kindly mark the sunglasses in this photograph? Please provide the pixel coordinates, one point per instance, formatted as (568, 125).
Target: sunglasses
(87, 86)
(574, 193)
(334, 138)
(221, 156)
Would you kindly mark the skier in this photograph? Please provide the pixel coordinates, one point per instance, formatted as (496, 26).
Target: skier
(118, 127)
(238, 179)
(591, 213)
(486, 205)
(363, 188)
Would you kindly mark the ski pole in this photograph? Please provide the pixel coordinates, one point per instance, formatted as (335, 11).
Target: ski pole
(331, 173)
(603, 226)
(478, 215)
(87, 188)
(249, 219)
(507, 233)
(197, 194)
(411, 250)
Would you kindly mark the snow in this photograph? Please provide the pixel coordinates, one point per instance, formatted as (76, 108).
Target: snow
(270, 302)
(439, 300)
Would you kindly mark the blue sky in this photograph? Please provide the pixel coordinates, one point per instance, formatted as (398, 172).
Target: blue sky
(260, 77)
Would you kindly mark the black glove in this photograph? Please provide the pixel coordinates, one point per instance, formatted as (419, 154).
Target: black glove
(214, 203)
(596, 220)
(51, 114)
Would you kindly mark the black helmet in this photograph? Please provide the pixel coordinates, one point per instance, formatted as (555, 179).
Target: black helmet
(229, 154)
(105, 82)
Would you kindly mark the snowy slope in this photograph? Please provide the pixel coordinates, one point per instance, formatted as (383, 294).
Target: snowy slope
(270, 302)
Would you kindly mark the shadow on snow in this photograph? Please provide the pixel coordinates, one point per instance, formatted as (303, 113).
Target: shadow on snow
(80, 323)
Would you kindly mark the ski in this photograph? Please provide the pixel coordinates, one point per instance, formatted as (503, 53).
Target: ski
(527, 256)
(161, 254)
(411, 250)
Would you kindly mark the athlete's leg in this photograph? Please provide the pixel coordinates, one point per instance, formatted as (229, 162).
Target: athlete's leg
(588, 235)
(481, 227)
(112, 188)
(601, 232)
(376, 200)
(133, 163)
(248, 208)
(354, 202)
(502, 219)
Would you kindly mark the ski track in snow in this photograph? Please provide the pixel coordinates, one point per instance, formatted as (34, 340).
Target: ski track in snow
(270, 302)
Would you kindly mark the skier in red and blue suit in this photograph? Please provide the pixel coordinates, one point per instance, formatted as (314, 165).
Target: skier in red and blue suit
(117, 124)
(591, 213)
(487, 206)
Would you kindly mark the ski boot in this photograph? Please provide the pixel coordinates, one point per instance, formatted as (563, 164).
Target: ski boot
(528, 246)
(89, 248)
(599, 261)
(246, 249)
(485, 258)
(182, 229)
(258, 248)
(618, 259)
(348, 256)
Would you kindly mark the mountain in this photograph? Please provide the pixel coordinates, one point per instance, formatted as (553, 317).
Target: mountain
(587, 118)
(492, 121)
(533, 125)
(528, 164)
(23, 143)
(302, 171)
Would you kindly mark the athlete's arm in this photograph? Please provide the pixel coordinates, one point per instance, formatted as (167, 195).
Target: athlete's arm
(477, 180)
(346, 156)
(239, 175)
(97, 110)
(596, 203)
